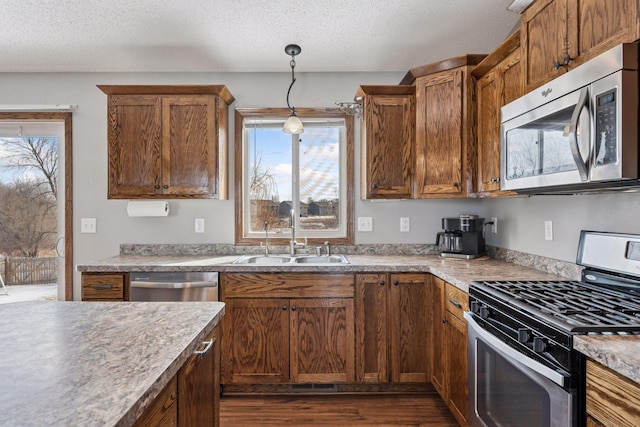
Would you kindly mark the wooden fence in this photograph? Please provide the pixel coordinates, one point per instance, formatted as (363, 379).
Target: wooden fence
(29, 271)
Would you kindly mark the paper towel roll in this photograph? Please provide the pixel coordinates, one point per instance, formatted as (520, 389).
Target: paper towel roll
(148, 208)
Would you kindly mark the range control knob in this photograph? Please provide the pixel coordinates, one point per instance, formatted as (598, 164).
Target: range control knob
(484, 312)
(475, 307)
(524, 335)
(539, 345)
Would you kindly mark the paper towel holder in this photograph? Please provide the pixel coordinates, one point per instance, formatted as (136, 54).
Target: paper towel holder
(147, 208)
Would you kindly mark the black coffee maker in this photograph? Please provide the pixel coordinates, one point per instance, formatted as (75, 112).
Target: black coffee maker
(463, 237)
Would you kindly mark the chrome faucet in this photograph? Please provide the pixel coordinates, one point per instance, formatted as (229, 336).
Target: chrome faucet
(266, 238)
(292, 244)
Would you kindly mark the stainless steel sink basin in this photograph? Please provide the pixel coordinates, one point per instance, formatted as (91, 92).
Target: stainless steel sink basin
(313, 259)
(291, 259)
(263, 260)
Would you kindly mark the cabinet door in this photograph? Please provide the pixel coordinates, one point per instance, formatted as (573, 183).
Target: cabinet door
(489, 132)
(547, 37)
(603, 24)
(134, 140)
(409, 348)
(199, 386)
(189, 146)
(439, 133)
(322, 340)
(371, 328)
(437, 323)
(512, 85)
(256, 336)
(456, 367)
(388, 138)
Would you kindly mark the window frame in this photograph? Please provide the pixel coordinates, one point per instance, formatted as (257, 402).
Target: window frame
(283, 113)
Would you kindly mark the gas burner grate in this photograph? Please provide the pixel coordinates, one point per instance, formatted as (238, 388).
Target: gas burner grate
(581, 307)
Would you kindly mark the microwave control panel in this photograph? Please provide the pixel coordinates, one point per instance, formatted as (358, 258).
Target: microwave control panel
(606, 132)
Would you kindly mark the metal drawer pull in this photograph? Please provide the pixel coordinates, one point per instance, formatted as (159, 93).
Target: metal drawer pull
(454, 302)
(205, 350)
(100, 287)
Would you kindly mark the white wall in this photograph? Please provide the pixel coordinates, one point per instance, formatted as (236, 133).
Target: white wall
(521, 219)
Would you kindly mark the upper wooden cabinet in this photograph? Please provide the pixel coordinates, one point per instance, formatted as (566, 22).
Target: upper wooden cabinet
(445, 134)
(167, 141)
(388, 138)
(499, 82)
(557, 35)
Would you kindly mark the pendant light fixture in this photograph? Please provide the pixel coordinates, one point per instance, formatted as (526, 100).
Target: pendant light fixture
(293, 124)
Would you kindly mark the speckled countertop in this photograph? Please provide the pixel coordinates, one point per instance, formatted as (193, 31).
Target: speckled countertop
(458, 272)
(618, 352)
(93, 363)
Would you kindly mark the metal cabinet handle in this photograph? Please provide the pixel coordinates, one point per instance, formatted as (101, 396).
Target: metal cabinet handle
(374, 186)
(293, 308)
(165, 186)
(157, 187)
(444, 320)
(284, 307)
(455, 184)
(381, 282)
(454, 302)
(99, 287)
(395, 282)
(205, 350)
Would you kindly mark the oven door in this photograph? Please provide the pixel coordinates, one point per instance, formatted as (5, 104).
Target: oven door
(506, 388)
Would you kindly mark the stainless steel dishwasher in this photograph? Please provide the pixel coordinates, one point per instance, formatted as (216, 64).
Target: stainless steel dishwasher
(174, 286)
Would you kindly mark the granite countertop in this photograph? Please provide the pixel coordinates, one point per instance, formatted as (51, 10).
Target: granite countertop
(620, 353)
(93, 363)
(458, 272)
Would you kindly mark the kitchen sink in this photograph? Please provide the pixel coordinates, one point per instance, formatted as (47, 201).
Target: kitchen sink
(262, 259)
(314, 259)
(291, 259)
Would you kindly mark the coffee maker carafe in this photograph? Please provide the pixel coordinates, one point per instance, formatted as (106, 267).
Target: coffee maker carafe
(463, 237)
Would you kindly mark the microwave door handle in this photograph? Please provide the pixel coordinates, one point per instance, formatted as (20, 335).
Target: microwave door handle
(573, 136)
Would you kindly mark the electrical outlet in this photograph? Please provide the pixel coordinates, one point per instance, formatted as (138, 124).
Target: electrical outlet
(548, 230)
(365, 223)
(494, 226)
(199, 225)
(405, 224)
(87, 225)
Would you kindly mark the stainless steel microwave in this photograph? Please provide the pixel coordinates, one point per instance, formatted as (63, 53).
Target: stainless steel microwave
(577, 133)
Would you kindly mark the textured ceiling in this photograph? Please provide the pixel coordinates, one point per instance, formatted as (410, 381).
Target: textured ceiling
(245, 35)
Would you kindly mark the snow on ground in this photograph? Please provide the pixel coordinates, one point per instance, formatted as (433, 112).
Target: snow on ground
(17, 293)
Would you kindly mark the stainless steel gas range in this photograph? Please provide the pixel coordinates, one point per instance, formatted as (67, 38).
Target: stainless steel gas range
(523, 370)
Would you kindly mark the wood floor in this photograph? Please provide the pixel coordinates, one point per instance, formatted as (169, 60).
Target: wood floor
(335, 410)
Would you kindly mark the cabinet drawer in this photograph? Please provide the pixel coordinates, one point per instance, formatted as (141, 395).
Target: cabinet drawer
(456, 300)
(103, 286)
(288, 285)
(612, 399)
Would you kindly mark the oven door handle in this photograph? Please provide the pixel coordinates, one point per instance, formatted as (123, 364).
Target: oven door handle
(513, 354)
(573, 134)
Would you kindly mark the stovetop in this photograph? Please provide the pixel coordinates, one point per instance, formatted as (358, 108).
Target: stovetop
(572, 306)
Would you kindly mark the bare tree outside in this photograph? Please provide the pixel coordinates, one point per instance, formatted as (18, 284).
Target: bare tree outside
(28, 193)
(263, 194)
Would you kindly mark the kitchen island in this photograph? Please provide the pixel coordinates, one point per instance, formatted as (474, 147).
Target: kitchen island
(94, 363)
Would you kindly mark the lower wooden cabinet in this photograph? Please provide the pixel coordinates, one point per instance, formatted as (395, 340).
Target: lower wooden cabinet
(105, 286)
(448, 334)
(288, 328)
(612, 400)
(391, 328)
(192, 396)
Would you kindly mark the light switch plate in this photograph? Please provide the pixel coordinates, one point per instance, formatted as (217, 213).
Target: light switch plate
(87, 225)
(365, 223)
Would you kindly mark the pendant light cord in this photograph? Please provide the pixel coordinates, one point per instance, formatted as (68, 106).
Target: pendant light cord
(293, 80)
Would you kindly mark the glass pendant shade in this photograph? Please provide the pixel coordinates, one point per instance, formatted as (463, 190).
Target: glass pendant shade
(293, 125)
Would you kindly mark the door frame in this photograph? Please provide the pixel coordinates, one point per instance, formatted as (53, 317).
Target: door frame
(64, 117)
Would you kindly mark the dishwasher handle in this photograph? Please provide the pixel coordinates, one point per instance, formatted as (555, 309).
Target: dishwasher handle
(172, 285)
